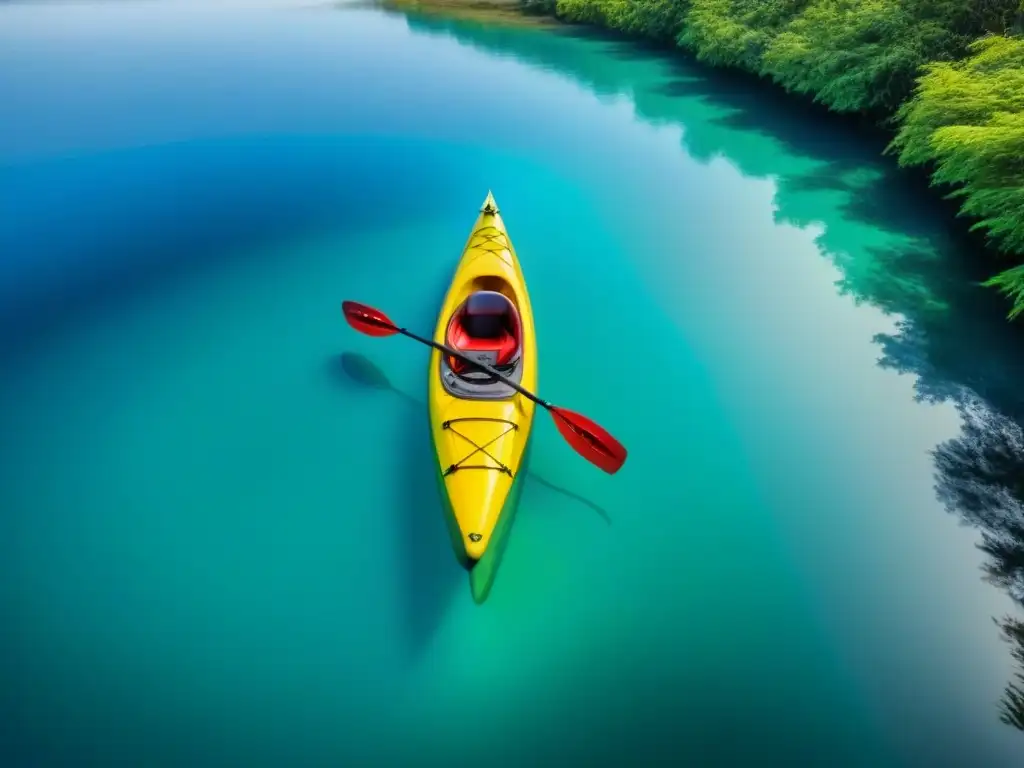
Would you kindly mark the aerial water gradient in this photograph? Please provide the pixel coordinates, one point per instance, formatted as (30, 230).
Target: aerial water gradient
(220, 537)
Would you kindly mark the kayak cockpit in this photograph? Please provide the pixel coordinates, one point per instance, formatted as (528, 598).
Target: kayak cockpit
(486, 323)
(486, 327)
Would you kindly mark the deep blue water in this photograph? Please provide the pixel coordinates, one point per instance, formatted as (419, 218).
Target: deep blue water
(218, 546)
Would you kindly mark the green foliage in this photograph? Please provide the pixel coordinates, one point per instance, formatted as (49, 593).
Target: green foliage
(865, 55)
(856, 55)
(736, 32)
(587, 11)
(967, 120)
(657, 19)
(1011, 284)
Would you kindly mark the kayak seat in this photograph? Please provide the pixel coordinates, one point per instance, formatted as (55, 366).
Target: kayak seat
(485, 322)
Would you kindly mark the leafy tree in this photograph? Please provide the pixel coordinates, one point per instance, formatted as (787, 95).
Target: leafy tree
(856, 55)
(660, 20)
(967, 118)
(736, 32)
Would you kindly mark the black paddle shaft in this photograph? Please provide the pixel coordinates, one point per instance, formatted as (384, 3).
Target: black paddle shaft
(478, 365)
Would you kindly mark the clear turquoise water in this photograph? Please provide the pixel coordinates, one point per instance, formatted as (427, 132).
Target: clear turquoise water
(217, 547)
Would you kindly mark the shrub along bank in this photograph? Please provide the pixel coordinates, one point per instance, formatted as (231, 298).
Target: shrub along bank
(946, 75)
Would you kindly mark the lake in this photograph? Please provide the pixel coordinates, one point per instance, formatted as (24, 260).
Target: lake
(220, 536)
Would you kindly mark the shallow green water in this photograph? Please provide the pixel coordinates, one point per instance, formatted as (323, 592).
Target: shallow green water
(217, 547)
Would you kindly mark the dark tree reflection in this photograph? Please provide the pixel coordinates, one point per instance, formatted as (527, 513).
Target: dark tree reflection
(980, 477)
(1011, 708)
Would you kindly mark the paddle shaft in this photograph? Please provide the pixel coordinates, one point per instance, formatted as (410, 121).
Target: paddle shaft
(481, 366)
(588, 438)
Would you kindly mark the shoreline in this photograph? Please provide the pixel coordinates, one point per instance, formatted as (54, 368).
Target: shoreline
(509, 13)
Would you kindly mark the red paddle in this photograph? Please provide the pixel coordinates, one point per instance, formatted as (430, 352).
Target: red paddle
(588, 439)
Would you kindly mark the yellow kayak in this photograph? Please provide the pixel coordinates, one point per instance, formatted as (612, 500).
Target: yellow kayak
(480, 425)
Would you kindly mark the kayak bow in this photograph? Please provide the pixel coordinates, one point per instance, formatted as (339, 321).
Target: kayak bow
(480, 425)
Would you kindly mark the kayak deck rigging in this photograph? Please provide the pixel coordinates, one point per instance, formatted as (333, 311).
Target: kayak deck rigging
(511, 426)
(489, 240)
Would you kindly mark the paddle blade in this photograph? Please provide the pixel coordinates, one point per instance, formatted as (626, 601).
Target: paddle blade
(368, 320)
(590, 440)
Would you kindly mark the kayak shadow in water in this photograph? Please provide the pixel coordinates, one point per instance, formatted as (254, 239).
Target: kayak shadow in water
(358, 368)
(534, 477)
(425, 570)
